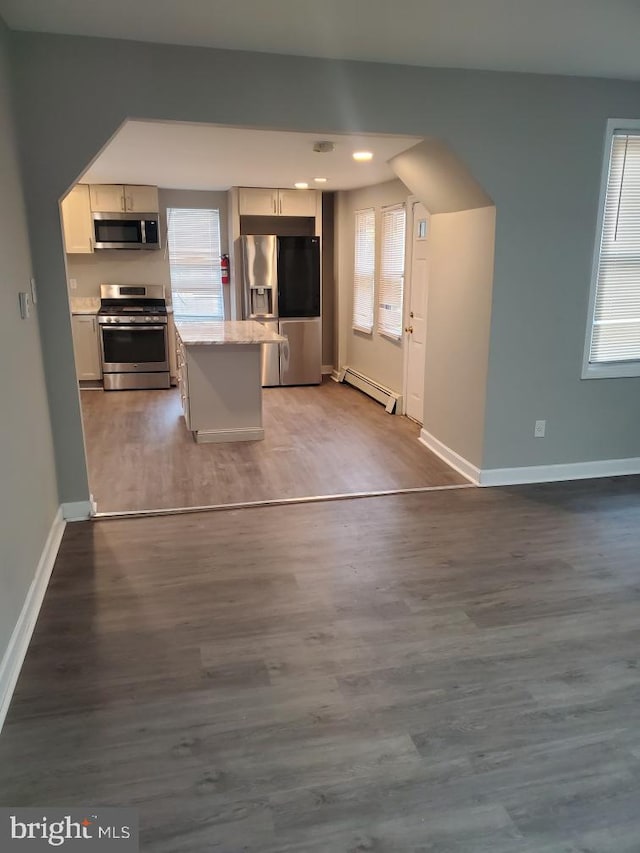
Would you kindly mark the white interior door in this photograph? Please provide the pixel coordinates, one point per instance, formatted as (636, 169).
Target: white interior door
(417, 324)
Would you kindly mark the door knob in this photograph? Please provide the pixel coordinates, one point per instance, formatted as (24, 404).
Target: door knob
(409, 329)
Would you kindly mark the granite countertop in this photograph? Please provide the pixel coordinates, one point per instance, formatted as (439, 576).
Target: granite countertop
(202, 333)
(85, 304)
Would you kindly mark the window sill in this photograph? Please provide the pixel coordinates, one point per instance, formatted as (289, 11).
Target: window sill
(610, 370)
(362, 330)
(389, 336)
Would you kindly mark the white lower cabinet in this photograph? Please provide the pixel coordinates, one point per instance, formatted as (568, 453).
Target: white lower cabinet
(86, 346)
(173, 350)
(183, 380)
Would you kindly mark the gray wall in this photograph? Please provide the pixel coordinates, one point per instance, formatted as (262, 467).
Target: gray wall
(458, 322)
(136, 267)
(375, 355)
(28, 493)
(534, 143)
(439, 178)
(461, 240)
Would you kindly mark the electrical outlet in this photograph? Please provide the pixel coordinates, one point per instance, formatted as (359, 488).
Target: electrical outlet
(540, 429)
(25, 305)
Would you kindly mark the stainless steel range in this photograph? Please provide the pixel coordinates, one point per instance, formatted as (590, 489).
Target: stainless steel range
(133, 336)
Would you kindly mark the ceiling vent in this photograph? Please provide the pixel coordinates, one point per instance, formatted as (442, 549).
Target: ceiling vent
(323, 147)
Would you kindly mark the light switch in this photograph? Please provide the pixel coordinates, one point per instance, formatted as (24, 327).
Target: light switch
(34, 295)
(73, 283)
(25, 305)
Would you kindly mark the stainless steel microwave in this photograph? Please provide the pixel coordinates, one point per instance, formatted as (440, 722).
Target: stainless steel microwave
(126, 231)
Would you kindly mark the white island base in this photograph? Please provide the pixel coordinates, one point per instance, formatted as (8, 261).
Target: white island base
(219, 378)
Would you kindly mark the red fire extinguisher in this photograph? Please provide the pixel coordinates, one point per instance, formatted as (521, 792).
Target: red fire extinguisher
(224, 268)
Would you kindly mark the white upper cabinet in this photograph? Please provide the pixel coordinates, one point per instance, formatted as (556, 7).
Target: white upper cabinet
(77, 225)
(139, 199)
(258, 201)
(107, 198)
(118, 198)
(297, 202)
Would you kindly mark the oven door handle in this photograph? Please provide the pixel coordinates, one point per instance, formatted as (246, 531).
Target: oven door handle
(134, 327)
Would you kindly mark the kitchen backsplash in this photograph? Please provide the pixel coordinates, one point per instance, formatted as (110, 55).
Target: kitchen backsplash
(117, 267)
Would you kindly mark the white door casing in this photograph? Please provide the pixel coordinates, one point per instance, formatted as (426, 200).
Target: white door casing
(417, 319)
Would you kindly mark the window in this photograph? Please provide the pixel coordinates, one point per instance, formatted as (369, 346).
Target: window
(613, 339)
(194, 261)
(392, 271)
(364, 270)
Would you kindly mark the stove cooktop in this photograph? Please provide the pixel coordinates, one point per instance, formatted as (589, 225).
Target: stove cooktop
(120, 309)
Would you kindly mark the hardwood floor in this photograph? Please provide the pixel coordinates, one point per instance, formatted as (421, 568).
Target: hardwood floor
(450, 671)
(321, 440)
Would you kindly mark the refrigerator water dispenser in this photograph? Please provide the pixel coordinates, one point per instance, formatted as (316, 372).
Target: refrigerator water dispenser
(261, 302)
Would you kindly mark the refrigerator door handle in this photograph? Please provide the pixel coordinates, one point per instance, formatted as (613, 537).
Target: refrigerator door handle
(284, 354)
(277, 287)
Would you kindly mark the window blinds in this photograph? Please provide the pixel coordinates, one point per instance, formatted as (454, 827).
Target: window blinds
(392, 271)
(194, 261)
(616, 319)
(364, 270)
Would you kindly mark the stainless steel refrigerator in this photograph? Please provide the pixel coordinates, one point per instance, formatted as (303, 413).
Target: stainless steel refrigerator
(281, 284)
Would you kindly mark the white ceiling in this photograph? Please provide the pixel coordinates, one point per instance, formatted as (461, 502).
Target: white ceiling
(209, 157)
(583, 37)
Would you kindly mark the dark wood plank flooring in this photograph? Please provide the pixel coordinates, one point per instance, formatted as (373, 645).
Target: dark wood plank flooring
(449, 671)
(328, 439)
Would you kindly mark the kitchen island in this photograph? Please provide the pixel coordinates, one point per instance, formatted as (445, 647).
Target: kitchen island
(219, 377)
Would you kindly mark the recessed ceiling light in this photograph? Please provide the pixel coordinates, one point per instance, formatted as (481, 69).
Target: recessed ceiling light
(320, 180)
(301, 185)
(362, 156)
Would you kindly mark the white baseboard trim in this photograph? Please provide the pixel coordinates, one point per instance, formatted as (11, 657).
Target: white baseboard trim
(209, 436)
(457, 462)
(13, 659)
(337, 375)
(327, 369)
(557, 473)
(529, 473)
(78, 510)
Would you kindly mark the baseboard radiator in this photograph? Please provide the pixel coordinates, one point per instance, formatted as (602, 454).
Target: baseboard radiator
(389, 399)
